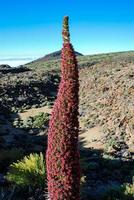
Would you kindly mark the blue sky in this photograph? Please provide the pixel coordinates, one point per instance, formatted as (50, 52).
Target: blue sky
(32, 28)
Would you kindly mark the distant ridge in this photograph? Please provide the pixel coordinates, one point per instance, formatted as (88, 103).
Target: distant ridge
(53, 56)
(52, 60)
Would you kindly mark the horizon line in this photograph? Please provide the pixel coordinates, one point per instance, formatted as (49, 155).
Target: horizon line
(12, 58)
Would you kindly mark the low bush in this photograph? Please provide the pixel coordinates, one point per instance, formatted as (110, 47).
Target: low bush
(30, 171)
(38, 121)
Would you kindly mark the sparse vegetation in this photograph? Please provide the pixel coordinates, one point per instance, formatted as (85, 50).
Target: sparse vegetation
(38, 121)
(111, 144)
(106, 99)
(106, 96)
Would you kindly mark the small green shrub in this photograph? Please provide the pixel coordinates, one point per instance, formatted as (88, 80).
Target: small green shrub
(111, 143)
(128, 189)
(124, 192)
(38, 121)
(30, 171)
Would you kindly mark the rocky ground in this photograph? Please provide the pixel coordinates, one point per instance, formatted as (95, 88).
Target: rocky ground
(106, 100)
(106, 119)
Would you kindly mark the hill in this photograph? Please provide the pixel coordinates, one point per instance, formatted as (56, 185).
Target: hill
(106, 115)
(83, 61)
(52, 56)
(55, 55)
(106, 90)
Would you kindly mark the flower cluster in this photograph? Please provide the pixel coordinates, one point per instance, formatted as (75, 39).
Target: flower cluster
(62, 158)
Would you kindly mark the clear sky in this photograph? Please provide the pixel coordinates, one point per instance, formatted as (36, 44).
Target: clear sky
(32, 28)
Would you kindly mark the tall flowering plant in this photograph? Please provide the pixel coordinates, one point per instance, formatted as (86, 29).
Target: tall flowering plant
(62, 157)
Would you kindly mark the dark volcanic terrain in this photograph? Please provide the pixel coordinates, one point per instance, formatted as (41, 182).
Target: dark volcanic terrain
(106, 116)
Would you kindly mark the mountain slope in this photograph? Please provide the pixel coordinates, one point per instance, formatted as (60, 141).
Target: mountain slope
(50, 57)
(55, 55)
(106, 116)
(83, 61)
(106, 100)
(106, 91)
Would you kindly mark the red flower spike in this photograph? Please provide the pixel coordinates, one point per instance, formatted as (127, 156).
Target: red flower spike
(62, 157)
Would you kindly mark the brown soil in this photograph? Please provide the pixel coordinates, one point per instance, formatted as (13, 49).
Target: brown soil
(33, 111)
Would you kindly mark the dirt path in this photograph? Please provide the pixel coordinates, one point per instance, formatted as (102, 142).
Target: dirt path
(34, 111)
(91, 138)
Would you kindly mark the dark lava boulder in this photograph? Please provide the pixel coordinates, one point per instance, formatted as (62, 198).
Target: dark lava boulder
(4, 66)
(4, 69)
